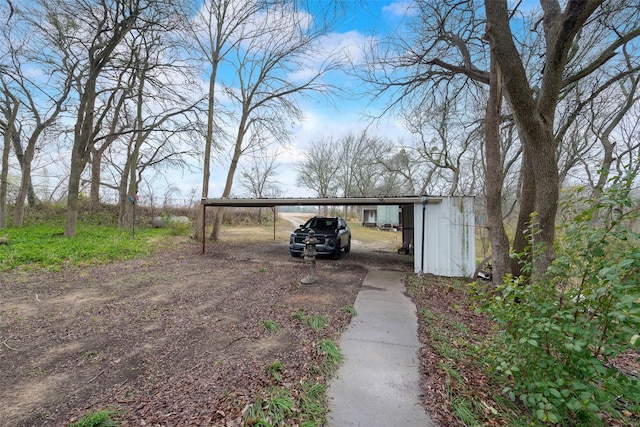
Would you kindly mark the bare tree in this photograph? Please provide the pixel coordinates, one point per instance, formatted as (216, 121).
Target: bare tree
(42, 105)
(100, 28)
(354, 165)
(215, 29)
(84, 37)
(276, 45)
(9, 106)
(259, 180)
(155, 134)
(319, 167)
(542, 63)
(367, 172)
(406, 169)
(446, 135)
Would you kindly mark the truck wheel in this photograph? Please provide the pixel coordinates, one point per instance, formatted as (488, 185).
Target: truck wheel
(348, 247)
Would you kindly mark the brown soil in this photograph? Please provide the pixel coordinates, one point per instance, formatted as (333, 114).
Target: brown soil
(174, 339)
(178, 338)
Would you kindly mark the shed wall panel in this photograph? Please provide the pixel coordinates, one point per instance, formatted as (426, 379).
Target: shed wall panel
(445, 239)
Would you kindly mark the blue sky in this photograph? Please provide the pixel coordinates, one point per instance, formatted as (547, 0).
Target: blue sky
(361, 21)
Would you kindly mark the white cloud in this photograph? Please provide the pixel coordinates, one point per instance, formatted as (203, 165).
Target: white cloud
(401, 9)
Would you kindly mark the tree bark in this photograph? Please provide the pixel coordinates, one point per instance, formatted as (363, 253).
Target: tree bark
(25, 192)
(237, 152)
(535, 116)
(99, 55)
(494, 180)
(11, 107)
(94, 193)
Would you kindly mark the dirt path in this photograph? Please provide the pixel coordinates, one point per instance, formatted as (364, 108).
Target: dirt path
(169, 339)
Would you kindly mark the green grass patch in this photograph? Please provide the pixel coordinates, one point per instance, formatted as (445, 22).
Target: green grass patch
(464, 411)
(275, 370)
(270, 410)
(96, 419)
(350, 310)
(45, 246)
(415, 285)
(270, 325)
(312, 404)
(331, 356)
(314, 321)
(458, 349)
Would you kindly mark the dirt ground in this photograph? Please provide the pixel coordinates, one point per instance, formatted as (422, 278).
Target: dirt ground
(174, 339)
(179, 338)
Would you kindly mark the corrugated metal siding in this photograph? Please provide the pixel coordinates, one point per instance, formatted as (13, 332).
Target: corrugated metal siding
(388, 214)
(448, 248)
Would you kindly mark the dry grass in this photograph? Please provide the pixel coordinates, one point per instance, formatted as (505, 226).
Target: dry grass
(383, 240)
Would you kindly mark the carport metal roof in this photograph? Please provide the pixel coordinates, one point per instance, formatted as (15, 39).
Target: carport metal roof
(319, 201)
(312, 201)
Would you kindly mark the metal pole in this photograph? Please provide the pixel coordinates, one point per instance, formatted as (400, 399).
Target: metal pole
(204, 221)
(424, 208)
(273, 208)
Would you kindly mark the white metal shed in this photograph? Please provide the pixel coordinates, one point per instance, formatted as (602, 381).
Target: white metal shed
(444, 237)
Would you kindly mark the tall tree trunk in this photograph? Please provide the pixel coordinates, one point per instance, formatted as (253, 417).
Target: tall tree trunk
(4, 178)
(535, 115)
(122, 197)
(99, 56)
(237, 152)
(77, 167)
(11, 113)
(494, 179)
(81, 148)
(94, 196)
(132, 189)
(545, 168)
(527, 207)
(26, 187)
(208, 144)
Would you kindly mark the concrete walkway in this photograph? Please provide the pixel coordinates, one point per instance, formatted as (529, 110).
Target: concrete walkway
(378, 383)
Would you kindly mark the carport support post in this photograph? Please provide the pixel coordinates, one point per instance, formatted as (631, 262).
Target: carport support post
(273, 209)
(424, 200)
(204, 221)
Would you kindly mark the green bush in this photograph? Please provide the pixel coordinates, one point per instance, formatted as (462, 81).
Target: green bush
(560, 330)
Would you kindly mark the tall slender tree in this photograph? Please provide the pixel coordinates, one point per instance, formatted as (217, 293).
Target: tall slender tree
(275, 46)
(9, 107)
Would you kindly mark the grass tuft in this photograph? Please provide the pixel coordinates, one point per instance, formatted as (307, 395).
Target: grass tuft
(96, 419)
(271, 325)
(314, 321)
(332, 358)
(275, 370)
(350, 310)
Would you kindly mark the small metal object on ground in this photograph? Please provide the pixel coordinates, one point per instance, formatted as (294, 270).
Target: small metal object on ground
(310, 257)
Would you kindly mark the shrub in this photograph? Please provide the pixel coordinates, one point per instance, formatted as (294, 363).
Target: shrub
(560, 331)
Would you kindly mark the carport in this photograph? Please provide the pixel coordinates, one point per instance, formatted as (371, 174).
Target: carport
(440, 229)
